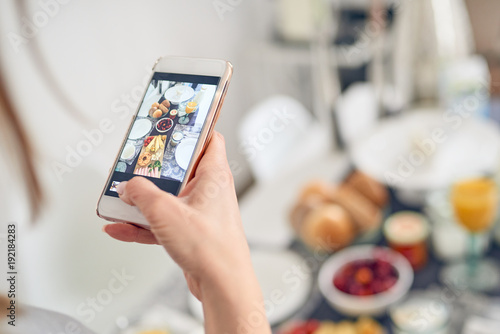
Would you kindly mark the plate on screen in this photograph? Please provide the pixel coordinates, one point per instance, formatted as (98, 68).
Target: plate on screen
(140, 129)
(178, 94)
(184, 152)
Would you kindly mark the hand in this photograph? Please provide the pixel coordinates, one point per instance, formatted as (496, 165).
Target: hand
(201, 230)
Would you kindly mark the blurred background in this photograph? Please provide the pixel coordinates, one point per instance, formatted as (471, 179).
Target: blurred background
(398, 99)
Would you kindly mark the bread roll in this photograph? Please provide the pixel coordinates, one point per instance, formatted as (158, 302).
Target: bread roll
(327, 227)
(317, 188)
(163, 109)
(157, 113)
(370, 188)
(166, 104)
(365, 215)
(302, 208)
(151, 111)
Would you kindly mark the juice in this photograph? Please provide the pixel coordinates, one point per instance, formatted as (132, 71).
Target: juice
(475, 203)
(191, 106)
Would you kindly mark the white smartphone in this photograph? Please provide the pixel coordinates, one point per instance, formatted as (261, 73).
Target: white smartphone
(169, 132)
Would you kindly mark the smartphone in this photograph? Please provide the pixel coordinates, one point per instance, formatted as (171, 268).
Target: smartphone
(169, 131)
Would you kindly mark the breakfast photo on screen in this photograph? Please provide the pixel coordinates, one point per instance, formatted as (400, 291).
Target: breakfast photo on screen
(165, 132)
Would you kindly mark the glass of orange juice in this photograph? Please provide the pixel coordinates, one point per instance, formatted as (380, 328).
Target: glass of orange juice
(475, 203)
(191, 107)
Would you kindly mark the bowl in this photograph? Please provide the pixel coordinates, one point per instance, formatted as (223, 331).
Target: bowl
(129, 152)
(168, 125)
(374, 304)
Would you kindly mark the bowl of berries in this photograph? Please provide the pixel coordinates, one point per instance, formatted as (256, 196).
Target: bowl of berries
(365, 280)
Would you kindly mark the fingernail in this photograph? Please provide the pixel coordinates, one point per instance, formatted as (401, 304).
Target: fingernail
(120, 188)
(104, 228)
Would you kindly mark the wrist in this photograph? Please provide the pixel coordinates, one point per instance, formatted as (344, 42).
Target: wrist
(233, 298)
(226, 279)
(236, 304)
(220, 267)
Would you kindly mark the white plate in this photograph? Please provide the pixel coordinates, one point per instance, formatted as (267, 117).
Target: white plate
(468, 146)
(277, 274)
(178, 94)
(141, 128)
(184, 152)
(265, 219)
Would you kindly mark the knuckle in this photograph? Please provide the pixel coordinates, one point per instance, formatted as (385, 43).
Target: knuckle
(133, 188)
(224, 176)
(134, 183)
(154, 212)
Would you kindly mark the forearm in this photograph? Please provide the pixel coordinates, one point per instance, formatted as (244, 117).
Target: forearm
(234, 305)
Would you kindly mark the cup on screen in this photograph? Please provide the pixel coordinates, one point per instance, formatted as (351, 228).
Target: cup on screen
(176, 138)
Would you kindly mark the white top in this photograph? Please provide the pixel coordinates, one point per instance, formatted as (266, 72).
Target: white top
(37, 321)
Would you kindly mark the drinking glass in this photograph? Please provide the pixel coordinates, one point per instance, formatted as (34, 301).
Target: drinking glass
(188, 108)
(191, 107)
(474, 203)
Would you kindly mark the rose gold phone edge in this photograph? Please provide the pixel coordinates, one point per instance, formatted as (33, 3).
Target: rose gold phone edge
(204, 139)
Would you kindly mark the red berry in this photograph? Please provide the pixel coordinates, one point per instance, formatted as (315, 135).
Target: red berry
(378, 286)
(365, 292)
(311, 326)
(364, 276)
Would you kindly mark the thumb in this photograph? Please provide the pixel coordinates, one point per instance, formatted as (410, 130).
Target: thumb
(155, 204)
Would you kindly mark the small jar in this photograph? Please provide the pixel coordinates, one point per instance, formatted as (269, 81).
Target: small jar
(176, 138)
(173, 113)
(420, 314)
(407, 232)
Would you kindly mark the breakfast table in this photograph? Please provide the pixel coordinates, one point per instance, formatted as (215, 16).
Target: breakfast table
(425, 279)
(174, 294)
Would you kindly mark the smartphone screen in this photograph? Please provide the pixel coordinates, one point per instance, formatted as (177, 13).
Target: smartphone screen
(165, 131)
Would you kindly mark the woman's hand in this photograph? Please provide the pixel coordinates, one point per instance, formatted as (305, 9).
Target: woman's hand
(201, 230)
